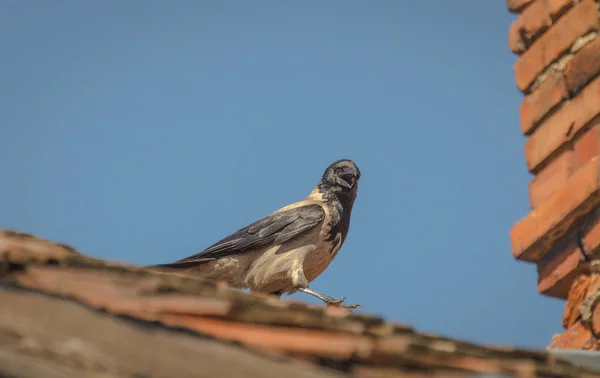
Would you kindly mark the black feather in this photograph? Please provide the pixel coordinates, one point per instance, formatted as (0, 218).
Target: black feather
(273, 229)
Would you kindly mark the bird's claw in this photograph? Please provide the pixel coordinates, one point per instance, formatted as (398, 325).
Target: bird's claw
(339, 303)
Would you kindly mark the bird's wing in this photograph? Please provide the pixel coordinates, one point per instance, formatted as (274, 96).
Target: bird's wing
(274, 229)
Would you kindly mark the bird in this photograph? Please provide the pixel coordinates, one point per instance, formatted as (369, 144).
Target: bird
(289, 248)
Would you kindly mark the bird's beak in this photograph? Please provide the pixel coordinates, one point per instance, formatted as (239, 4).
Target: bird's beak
(352, 173)
(346, 184)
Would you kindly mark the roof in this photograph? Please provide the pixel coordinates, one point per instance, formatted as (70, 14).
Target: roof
(73, 315)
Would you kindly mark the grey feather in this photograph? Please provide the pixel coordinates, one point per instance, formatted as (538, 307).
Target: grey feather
(274, 229)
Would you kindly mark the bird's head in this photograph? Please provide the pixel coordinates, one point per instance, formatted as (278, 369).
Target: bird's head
(342, 177)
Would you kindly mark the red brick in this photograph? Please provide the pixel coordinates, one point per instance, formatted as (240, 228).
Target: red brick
(516, 6)
(535, 20)
(591, 238)
(584, 66)
(578, 336)
(576, 295)
(540, 230)
(558, 7)
(559, 128)
(557, 268)
(577, 22)
(557, 172)
(588, 145)
(540, 102)
(551, 178)
(588, 314)
(596, 320)
(529, 25)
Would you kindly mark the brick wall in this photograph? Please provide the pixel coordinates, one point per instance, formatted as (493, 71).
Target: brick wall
(558, 48)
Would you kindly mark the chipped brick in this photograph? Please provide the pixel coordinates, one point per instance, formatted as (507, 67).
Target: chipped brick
(577, 22)
(596, 319)
(529, 25)
(558, 7)
(591, 237)
(578, 336)
(541, 229)
(584, 66)
(576, 295)
(542, 101)
(550, 179)
(587, 145)
(557, 268)
(589, 304)
(562, 126)
(516, 6)
(557, 172)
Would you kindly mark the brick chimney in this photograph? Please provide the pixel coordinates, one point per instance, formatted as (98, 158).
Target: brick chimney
(557, 70)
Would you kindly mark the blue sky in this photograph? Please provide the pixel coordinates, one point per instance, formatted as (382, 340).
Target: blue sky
(144, 131)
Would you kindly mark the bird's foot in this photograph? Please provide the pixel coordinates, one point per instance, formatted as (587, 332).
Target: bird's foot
(327, 299)
(339, 303)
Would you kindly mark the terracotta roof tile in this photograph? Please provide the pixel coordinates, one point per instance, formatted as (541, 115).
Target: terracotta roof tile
(332, 340)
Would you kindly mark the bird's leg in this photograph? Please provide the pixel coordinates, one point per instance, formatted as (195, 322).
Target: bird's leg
(301, 284)
(327, 299)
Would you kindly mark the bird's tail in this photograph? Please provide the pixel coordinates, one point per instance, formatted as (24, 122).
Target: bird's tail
(156, 266)
(180, 264)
